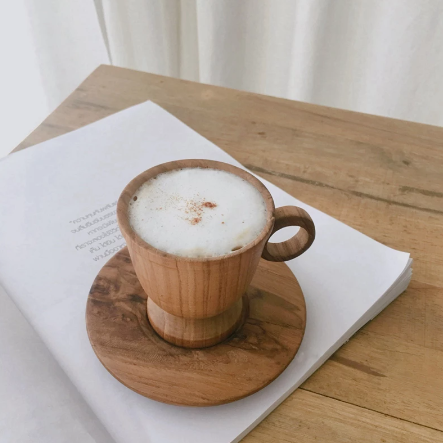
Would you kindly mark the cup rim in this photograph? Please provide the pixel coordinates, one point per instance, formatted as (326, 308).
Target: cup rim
(136, 182)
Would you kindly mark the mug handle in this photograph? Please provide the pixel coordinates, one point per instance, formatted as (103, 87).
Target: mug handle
(299, 243)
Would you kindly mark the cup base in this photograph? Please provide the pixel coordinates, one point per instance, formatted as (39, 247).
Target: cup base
(197, 332)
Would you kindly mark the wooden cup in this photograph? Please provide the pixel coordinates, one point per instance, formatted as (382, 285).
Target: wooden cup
(197, 302)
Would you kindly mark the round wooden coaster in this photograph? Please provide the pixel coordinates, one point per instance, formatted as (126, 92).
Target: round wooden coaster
(246, 362)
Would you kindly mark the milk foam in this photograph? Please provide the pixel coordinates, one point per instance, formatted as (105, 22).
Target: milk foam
(197, 212)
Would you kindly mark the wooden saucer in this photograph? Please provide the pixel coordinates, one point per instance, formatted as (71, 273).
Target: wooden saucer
(244, 363)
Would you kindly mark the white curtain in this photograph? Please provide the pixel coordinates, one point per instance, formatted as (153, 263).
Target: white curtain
(375, 56)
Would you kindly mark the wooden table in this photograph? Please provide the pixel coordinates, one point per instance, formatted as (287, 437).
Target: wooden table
(381, 176)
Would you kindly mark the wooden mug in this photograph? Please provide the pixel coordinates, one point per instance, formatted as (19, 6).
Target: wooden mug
(197, 302)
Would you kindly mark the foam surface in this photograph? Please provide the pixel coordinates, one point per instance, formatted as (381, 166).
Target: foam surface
(197, 212)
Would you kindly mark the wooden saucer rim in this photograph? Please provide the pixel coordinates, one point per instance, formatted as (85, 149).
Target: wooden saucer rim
(260, 384)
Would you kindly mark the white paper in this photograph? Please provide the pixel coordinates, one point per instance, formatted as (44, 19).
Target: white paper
(38, 403)
(47, 269)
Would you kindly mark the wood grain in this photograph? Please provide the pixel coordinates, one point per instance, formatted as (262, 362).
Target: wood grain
(381, 176)
(250, 359)
(197, 332)
(294, 247)
(196, 302)
(308, 417)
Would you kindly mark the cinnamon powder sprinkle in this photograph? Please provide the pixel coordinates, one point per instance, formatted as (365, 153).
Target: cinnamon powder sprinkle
(194, 209)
